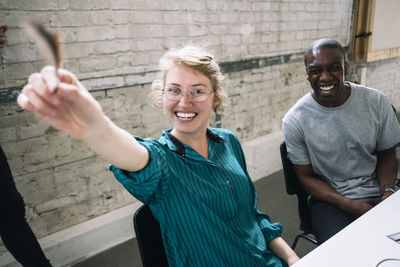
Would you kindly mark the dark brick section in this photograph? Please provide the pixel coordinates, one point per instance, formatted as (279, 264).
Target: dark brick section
(261, 62)
(9, 95)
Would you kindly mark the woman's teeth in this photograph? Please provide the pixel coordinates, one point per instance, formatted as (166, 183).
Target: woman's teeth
(185, 116)
(326, 88)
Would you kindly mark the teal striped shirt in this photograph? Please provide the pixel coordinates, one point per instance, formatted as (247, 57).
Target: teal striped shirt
(207, 208)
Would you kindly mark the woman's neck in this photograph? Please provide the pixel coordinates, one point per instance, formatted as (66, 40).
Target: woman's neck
(197, 141)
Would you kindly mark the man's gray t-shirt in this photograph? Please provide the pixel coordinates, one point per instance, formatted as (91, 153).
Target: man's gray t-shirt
(341, 142)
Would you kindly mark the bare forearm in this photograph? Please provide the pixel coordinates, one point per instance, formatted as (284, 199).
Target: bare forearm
(117, 146)
(386, 171)
(282, 250)
(325, 192)
(386, 168)
(318, 188)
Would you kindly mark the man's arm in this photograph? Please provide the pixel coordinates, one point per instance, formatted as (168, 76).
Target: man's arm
(386, 170)
(322, 191)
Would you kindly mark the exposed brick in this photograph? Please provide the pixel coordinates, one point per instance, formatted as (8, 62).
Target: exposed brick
(79, 50)
(8, 134)
(297, 6)
(21, 54)
(15, 5)
(112, 47)
(90, 5)
(15, 36)
(37, 5)
(73, 19)
(218, 5)
(85, 34)
(141, 79)
(128, 4)
(261, 5)
(97, 63)
(104, 83)
(194, 5)
(18, 71)
(133, 31)
(177, 18)
(164, 5)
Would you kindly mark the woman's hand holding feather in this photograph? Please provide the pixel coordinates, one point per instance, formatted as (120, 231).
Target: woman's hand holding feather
(72, 109)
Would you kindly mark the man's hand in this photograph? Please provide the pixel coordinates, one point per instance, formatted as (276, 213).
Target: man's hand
(358, 207)
(386, 195)
(3, 36)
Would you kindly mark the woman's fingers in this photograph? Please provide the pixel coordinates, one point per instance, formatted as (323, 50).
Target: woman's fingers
(40, 86)
(31, 100)
(50, 77)
(66, 76)
(69, 92)
(24, 103)
(71, 108)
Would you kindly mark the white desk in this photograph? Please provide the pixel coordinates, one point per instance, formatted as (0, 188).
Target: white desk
(364, 242)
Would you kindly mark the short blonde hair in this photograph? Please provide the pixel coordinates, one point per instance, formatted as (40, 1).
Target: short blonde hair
(194, 58)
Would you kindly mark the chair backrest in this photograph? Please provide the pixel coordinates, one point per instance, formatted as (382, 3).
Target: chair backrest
(293, 187)
(148, 236)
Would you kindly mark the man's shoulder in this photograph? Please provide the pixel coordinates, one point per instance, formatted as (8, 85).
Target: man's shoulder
(365, 90)
(367, 98)
(299, 107)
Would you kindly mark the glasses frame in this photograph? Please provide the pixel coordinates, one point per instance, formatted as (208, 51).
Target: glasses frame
(181, 95)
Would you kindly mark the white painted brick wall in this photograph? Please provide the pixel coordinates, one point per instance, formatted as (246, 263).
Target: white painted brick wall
(383, 75)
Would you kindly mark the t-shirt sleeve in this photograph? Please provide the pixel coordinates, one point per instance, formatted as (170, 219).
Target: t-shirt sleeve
(389, 129)
(149, 183)
(295, 142)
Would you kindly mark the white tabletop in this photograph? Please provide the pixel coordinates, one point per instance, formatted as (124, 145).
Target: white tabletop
(364, 242)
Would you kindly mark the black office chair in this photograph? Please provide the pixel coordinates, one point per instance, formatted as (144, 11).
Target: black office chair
(148, 236)
(293, 187)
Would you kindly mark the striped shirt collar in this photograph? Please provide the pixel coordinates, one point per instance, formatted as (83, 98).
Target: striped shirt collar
(179, 148)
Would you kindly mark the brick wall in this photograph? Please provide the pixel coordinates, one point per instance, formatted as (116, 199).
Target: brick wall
(384, 76)
(113, 46)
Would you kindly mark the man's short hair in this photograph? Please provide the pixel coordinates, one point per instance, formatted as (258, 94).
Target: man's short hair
(324, 43)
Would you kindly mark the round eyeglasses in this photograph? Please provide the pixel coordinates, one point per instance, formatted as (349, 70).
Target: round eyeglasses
(195, 95)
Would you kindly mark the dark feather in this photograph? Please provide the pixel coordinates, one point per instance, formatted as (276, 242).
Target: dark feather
(47, 42)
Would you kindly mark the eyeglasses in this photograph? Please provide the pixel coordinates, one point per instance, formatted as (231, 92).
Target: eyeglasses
(195, 95)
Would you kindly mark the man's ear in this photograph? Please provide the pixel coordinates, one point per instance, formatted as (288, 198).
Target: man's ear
(345, 68)
(308, 77)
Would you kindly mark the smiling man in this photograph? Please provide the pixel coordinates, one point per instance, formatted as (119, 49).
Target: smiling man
(341, 138)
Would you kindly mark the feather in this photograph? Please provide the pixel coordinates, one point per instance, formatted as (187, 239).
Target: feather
(47, 42)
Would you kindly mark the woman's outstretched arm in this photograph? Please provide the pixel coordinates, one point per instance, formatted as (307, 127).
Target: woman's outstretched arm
(63, 102)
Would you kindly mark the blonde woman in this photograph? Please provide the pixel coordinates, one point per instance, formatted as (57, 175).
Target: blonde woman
(193, 178)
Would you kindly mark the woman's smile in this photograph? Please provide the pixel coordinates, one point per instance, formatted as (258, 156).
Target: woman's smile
(188, 116)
